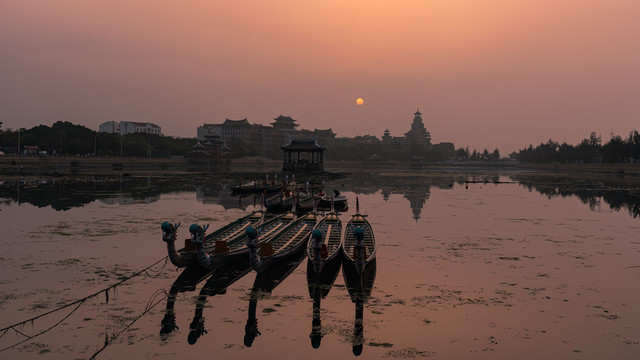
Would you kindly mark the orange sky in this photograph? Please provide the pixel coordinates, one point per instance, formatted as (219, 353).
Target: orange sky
(490, 73)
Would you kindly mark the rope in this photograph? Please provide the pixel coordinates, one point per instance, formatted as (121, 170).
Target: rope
(78, 303)
(150, 305)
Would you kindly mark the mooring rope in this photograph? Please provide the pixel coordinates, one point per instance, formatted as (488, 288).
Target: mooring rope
(150, 305)
(78, 303)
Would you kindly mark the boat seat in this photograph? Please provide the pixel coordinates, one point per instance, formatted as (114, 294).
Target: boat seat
(266, 249)
(221, 247)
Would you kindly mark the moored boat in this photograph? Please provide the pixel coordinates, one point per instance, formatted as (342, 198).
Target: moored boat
(234, 247)
(325, 244)
(187, 255)
(290, 240)
(339, 200)
(359, 270)
(359, 266)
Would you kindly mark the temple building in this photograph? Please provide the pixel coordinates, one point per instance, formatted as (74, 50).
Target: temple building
(418, 135)
(267, 139)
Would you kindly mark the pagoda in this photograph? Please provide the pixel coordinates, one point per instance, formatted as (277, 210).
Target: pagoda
(418, 135)
(284, 123)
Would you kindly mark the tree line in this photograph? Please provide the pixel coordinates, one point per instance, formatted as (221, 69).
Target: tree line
(67, 139)
(589, 150)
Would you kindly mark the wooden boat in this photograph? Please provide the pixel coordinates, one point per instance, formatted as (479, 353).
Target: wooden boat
(281, 203)
(220, 279)
(293, 238)
(359, 269)
(339, 201)
(319, 286)
(257, 187)
(188, 255)
(324, 245)
(235, 247)
(359, 266)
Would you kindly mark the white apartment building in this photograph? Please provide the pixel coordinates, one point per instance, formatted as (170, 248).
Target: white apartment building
(129, 127)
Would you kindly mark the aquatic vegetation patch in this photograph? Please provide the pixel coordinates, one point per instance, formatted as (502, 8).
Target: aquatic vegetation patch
(381, 344)
(4, 297)
(68, 262)
(408, 353)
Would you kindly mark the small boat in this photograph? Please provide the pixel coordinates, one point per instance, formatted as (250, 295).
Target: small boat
(319, 287)
(281, 203)
(359, 265)
(257, 187)
(187, 255)
(324, 245)
(339, 200)
(293, 238)
(359, 270)
(235, 247)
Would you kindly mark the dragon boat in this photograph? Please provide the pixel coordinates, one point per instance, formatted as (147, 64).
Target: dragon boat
(325, 245)
(293, 238)
(211, 255)
(188, 255)
(359, 269)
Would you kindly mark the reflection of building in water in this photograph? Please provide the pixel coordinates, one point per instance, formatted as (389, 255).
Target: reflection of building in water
(417, 195)
(128, 200)
(221, 195)
(385, 193)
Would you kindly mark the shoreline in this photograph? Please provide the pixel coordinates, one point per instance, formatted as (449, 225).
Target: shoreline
(17, 165)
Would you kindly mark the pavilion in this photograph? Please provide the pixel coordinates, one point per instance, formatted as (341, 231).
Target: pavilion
(302, 155)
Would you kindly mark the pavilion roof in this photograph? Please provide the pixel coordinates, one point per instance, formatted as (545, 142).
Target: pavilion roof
(303, 145)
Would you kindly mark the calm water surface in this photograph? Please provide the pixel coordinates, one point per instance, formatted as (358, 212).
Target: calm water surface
(472, 266)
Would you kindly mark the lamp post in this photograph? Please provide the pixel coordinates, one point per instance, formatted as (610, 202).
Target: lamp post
(19, 131)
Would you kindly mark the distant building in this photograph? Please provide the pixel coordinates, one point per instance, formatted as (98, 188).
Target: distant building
(110, 127)
(303, 155)
(386, 138)
(129, 127)
(267, 139)
(208, 129)
(236, 129)
(325, 137)
(418, 135)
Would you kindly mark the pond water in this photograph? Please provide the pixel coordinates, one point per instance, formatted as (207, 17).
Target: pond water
(469, 265)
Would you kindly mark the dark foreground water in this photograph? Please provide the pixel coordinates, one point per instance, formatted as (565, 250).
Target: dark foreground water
(469, 266)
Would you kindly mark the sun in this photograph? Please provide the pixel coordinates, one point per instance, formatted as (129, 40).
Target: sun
(359, 101)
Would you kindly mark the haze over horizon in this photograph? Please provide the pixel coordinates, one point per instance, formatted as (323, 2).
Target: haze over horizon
(496, 73)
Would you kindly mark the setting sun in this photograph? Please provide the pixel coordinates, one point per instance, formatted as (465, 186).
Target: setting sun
(359, 101)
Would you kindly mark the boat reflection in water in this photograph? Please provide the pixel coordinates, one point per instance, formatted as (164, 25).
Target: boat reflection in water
(220, 279)
(359, 269)
(324, 261)
(186, 281)
(267, 278)
(319, 286)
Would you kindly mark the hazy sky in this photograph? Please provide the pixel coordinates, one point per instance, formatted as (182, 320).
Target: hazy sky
(484, 73)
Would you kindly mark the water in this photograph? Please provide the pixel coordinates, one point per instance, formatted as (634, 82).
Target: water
(469, 265)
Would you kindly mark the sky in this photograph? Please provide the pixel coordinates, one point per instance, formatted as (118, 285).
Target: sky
(484, 73)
